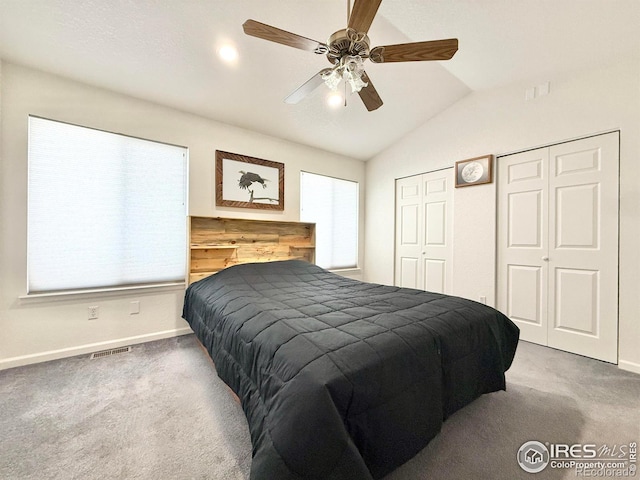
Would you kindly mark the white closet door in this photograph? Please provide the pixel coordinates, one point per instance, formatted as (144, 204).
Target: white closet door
(437, 241)
(583, 247)
(408, 268)
(558, 245)
(522, 242)
(424, 232)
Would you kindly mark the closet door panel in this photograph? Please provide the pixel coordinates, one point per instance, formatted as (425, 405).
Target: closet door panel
(437, 246)
(558, 244)
(583, 251)
(424, 231)
(408, 261)
(522, 242)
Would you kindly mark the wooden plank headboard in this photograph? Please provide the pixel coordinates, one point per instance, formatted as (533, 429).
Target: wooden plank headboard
(216, 243)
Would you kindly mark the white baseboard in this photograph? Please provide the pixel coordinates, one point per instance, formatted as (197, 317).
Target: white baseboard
(629, 366)
(89, 348)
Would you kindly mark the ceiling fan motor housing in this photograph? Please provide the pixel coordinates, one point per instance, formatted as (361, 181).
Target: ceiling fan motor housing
(347, 42)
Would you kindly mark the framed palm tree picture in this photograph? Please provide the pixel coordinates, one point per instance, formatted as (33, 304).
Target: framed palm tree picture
(248, 182)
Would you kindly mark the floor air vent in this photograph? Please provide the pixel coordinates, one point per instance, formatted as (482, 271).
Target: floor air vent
(108, 353)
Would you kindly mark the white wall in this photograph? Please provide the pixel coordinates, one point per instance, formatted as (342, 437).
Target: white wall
(37, 330)
(501, 121)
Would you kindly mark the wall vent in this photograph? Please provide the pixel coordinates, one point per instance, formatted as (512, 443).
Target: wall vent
(108, 353)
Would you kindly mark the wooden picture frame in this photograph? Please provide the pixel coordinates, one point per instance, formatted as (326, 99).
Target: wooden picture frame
(248, 182)
(474, 171)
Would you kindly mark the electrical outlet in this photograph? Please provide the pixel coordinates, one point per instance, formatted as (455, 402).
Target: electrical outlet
(134, 307)
(93, 313)
(543, 89)
(530, 93)
(483, 299)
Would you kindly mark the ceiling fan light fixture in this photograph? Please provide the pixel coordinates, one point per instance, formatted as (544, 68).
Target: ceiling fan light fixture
(346, 50)
(355, 82)
(353, 70)
(350, 69)
(332, 79)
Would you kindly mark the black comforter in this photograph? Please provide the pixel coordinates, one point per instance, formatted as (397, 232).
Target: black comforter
(341, 379)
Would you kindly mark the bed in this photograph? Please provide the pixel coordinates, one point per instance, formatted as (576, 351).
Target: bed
(341, 379)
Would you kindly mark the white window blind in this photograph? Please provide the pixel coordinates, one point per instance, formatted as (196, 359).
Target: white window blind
(104, 210)
(333, 205)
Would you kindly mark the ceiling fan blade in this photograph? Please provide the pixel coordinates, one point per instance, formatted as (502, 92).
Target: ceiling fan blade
(369, 95)
(362, 14)
(307, 87)
(415, 52)
(273, 34)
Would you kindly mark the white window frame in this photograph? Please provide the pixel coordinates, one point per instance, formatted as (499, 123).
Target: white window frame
(140, 269)
(330, 232)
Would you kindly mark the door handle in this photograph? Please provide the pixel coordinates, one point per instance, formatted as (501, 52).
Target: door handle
(545, 259)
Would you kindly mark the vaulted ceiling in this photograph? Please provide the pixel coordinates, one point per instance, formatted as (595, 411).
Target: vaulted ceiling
(165, 51)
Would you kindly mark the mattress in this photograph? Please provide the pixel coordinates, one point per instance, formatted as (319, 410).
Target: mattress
(342, 379)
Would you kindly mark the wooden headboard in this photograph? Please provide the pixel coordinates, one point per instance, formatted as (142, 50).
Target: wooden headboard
(216, 243)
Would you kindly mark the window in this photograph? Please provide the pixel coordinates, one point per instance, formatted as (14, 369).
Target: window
(332, 204)
(104, 210)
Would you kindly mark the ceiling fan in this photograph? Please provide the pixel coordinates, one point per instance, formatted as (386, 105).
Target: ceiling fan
(347, 49)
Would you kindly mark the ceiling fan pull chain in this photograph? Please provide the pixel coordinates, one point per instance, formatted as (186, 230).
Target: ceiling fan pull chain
(345, 94)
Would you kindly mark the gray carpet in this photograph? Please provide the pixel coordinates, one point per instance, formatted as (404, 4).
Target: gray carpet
(160, 412)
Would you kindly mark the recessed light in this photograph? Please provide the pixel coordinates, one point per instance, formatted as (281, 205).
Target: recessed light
(228, 53)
